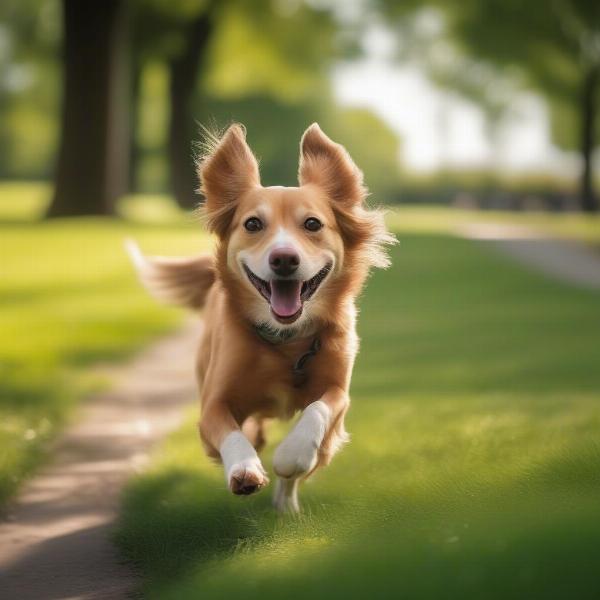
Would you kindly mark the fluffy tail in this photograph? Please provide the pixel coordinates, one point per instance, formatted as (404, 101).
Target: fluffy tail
(182, 281)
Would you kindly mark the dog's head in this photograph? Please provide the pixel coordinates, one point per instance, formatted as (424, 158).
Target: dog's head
(290, 255)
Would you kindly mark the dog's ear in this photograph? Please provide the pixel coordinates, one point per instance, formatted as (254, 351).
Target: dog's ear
(226, 170)
(327, 165)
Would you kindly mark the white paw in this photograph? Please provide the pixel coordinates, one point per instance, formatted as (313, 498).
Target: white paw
(243, 470)
(285, 498)
(295, 456)
(298, 453)
(247, 477)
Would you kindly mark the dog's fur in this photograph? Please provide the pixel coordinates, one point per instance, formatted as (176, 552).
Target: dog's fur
(248, 350)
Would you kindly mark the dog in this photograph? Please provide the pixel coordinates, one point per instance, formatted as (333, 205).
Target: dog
(279, 305)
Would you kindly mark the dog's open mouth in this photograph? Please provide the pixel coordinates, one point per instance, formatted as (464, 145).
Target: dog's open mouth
(286, 297)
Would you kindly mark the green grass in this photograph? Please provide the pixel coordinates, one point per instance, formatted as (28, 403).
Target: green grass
(68, 300)
(474, 465)
(442, 219)
(474, 468)
(23, 200)
(20, 201)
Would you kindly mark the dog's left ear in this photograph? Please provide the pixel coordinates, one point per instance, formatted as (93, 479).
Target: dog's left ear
(329, 166)
(227, 170)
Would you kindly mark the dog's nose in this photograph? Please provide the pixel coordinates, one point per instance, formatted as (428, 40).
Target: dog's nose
(284, 261)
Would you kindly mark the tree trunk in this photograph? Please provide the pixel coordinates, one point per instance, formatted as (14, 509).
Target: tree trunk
(134, 112)
(92, 163)
(184, 72)
(589, 202)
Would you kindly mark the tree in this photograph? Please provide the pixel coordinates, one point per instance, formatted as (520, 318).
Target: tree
(92, 162)
(551, 47)
(219, 52)
(224, 49)
(184, 69)
(556, 47)
(29, 45)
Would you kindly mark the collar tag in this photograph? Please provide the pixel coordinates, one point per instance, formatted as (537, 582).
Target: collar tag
(299, 368)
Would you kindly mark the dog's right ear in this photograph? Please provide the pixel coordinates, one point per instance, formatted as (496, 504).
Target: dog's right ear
(226, 170)
(329, 166)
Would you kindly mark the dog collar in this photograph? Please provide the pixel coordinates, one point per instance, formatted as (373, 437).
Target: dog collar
(275, 336)
(272, 335)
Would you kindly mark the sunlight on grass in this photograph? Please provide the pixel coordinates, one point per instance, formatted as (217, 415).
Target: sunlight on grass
(69, 299)
(152, 208)
(447, 220)
(472, 470)
(23, 201)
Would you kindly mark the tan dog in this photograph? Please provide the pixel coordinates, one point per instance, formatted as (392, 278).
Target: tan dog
(279, 305)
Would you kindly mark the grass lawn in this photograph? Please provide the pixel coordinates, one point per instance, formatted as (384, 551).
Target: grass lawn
(474, 465)
(474, 469)
(68, 300)
(442, 219)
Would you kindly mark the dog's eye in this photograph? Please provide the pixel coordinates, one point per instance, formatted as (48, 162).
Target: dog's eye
(253, 224)
(312, 224)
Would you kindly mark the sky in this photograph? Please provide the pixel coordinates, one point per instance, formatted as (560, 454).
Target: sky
(440, 129)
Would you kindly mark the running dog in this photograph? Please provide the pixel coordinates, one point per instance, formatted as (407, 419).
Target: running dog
(279, 305)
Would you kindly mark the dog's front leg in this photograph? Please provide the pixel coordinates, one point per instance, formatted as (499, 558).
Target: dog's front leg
(299, 453)
(219, 431)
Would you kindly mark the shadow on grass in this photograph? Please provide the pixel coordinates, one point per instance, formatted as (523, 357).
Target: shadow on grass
(533, 534)
(188, 519)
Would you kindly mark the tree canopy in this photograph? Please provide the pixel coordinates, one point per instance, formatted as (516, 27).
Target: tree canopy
(488, 48)
(179, 63)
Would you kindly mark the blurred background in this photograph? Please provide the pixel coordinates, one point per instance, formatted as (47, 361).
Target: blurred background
(482, 104)
(473, 468)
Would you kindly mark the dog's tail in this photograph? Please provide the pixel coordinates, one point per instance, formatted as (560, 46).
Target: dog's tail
(182, 281)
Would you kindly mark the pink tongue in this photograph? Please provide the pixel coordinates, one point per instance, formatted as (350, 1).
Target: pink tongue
(285, 297)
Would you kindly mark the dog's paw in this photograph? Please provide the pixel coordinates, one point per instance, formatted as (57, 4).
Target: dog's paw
(244, 472)
(298, 453)
(247, 478)
(295, 456)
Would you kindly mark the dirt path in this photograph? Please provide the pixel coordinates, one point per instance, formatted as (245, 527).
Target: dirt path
(55, 541)
(564, 260)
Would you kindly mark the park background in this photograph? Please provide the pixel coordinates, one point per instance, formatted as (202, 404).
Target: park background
(474, 466)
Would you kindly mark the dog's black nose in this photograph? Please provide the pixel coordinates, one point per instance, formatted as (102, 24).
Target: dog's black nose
(284, 261)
